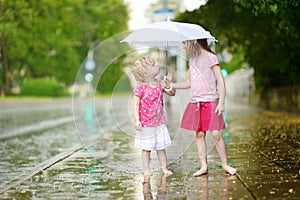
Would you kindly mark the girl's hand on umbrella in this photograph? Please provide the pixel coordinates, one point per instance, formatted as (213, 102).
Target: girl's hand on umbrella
(165, 84)
(170, 76)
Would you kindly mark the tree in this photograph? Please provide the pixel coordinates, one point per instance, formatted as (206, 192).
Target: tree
(266, 32)
(45, 38)
(286, 12)
(13, 23)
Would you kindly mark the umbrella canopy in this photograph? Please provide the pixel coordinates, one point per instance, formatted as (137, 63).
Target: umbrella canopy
(167, 33)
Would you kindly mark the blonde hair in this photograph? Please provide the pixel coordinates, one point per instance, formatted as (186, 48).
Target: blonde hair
(140, 68)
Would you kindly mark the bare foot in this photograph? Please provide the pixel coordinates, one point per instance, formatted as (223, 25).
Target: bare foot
(229, 170)
(147, 173)
(167, 172)
(201, 172)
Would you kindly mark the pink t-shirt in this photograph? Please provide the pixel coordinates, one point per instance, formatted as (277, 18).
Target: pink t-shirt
(151, 105)
(203, 80)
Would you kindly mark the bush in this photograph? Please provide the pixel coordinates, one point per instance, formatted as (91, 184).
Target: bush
(43, 87)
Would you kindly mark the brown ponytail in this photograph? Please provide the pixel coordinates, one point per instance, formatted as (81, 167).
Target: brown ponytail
(204, 44)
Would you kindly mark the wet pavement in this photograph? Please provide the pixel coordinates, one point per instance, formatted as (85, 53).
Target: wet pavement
(51, 151)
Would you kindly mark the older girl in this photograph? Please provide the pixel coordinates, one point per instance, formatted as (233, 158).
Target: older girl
(207, 96)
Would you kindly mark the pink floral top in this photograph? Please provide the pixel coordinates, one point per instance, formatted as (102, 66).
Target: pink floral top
(151, 110)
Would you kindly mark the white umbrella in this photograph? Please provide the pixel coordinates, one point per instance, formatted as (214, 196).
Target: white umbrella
(167, 33)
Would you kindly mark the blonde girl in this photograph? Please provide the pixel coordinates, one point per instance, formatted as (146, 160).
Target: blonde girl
(148, 110)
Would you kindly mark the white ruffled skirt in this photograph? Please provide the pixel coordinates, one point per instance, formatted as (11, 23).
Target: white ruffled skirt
(153, 138)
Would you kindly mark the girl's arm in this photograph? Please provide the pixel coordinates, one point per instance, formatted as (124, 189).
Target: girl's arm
(136, 110)
(183, 85)
(221, 89)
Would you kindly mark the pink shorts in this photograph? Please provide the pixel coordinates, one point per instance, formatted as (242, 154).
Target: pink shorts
(201, 116)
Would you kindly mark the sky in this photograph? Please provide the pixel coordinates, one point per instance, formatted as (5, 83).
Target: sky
(138, 7)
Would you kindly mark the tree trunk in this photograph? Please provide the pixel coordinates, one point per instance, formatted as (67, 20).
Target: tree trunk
(5, 80)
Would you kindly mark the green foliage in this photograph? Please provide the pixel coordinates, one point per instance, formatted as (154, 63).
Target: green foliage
(109, 79)
(109, 58)
(286, 12)
(266, 32)
(43, 87)
(51, 38)
(237, 62)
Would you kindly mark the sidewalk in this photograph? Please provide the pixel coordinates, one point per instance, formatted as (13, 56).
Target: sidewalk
(262, 145)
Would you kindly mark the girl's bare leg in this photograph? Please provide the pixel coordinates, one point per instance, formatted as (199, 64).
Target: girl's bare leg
(201, 146)
(220, 145)
(146, 162)
(162, 157)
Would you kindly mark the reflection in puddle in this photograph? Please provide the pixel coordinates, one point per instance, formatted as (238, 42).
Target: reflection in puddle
(204, 187)
(161, 191)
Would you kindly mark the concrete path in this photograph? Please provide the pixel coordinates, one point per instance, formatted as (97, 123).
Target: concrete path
(262, 145)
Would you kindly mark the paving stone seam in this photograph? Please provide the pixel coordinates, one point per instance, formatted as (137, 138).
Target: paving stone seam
(246, 186)
(33, 171)
(276, 163)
